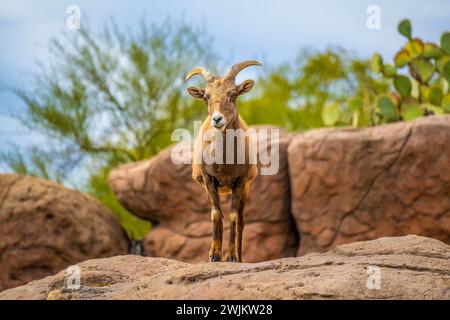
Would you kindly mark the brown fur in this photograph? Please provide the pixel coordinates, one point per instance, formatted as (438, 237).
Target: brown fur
(220, 94)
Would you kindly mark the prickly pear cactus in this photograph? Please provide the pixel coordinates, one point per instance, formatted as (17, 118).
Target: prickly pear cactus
(423, 88)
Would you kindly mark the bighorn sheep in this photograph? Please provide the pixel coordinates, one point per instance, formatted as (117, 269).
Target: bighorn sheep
(220, 94)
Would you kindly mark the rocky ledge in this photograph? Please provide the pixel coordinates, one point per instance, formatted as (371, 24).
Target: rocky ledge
(408, 267)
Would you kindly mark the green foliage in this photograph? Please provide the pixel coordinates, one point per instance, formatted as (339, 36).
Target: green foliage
(441, 62)
(376, 63)
(434, 96)
(389, 71)
(445, 42)
(355, 104)
(422, 69)
(313, 92)
(403, 85)
(411, 111)
(414, 48)
(446, 71)
(97, 187)
(356, 107)
(431, 50)
(427, 107)
(402, 58)
(446, 103)
(404, 27)
(330, 113)
(37, 165)
(424, 88)
(387, 109)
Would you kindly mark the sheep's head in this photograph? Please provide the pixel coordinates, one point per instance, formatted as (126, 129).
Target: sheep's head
(220, 93)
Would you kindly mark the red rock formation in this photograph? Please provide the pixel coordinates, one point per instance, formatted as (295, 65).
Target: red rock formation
(357, 184)
(45, 227)
(411, 267)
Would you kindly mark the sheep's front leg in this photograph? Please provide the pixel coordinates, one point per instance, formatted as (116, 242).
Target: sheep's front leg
(212, 190)
(238, 199)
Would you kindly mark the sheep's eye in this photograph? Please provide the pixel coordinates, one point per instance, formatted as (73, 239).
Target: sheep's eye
(233, 95)
(206, 97)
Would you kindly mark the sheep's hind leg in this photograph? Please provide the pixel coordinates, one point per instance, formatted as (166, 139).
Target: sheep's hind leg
(215, 253)
(236, 222)
(240, 221)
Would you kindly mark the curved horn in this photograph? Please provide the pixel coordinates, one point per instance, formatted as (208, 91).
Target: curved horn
(201, 71)
(239, 66)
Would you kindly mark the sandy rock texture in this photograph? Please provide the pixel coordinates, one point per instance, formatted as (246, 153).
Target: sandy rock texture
(410, 267)
(357, 184)
(45, 227)
(165, 193)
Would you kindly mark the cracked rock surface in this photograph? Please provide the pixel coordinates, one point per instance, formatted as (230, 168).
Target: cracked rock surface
(45, 227)
(358, 184)
(410, 267)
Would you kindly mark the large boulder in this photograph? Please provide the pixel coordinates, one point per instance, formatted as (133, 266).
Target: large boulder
(358, 184)
(45, 227)
(164, 193)
(407, 267)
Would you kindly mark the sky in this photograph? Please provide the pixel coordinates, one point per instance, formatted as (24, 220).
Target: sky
(272, 31)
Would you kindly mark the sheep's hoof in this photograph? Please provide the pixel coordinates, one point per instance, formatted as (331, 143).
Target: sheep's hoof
(214, 258)
(231, 258)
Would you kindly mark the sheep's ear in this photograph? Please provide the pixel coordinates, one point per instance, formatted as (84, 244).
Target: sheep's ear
(196, 93)
(245, 86)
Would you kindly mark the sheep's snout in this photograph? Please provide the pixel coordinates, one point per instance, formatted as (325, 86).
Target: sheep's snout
(218, 120)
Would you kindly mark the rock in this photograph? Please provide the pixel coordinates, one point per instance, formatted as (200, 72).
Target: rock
(410, 267)
(357, 184)
(45, 227)
(165, 193)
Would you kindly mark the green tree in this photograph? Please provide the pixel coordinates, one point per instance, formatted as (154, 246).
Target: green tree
(108, 98)
(313, 91)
